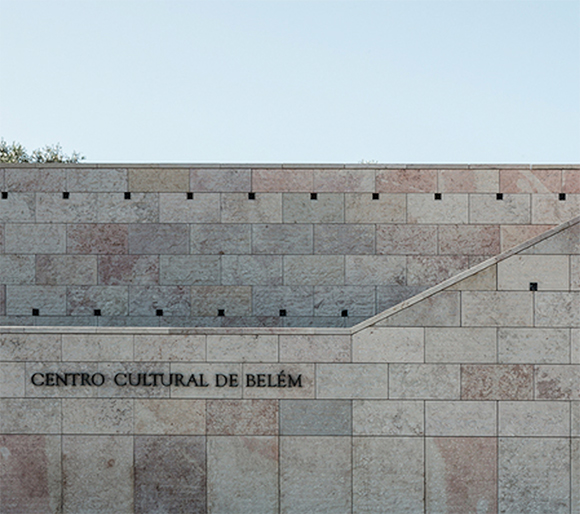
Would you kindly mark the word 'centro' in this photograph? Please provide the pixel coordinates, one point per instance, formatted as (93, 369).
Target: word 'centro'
(281, 379)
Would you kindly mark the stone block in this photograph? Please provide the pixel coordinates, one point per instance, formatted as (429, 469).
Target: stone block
(220, 180)
(177, 208)
(530, 181)
(34, 238)
(97, 416)
(96, 239)
(147, 300)
(344, 239)
(497, 309)
(300, 208)
(547, 209)
(513, 235)
(315, 474)
(575, 419)
(452, 208)
(32, 391)
(264, 208)
(316, 417)
(424, 381)
(534, 345)
(388, 296)
(315, 348)
(432, 270)
(282, 239)
(18, 208)
(189, 269)
(388, 417)
(406, 181)
(233, 300)
(460, 418)
(460, 345)
(93, 347)
(66, 269)
(140, 208)
(221, 239)
(362, 208)
(497, 382)
(256, 489)
(469, 240)
(440, 310)
(575, 272)
(575, 343)
(344, 181)
(549, 272)
(487, 209)
(17, 269)
(534, 475)
(283, 180)
(388, 474)
(155, 180)
(406, 240)
(118, 270)
(485, 280)
(313, 270)
(31, 473)
(42, 179)
(169, 417)
(30, 416)
(110, 300)
(347, 381)
(553, 382)
(255, 270)
(110, 390)
(242, 417)
(188, 348)
(159, 239)
(100, 180)
(208, 371)
(461, 474)
(78, 208)
(49, 300)
(468, 181)
(295, 300)
(564, 242)
(529, 419)
(575, 483)
(332, 301)
(25, 347)
(242, 348)
(305, 389)
(170, 474)
(571, 181)
(379, 344)
(557, 309)
(375, 270)
(12, 379)
(99, 473)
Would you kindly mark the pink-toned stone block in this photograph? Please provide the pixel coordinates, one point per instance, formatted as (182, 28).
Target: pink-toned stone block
(571, 181)
(344, 181)
(97, 238)
(128, 269)
(220, 180)
(35, 180)
(283, 181)
(55, 270)
(554, 382)
(513, 235)
(530, 181)
(497, 382)
(242, 417)
(406, 181)
(469, 240)
(407, 239)
(468, 181)
(429, 271)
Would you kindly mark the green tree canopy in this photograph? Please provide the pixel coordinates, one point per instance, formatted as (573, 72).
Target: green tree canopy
(15, 152)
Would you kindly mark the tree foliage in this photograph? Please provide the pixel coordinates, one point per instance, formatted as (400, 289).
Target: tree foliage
(15, 152)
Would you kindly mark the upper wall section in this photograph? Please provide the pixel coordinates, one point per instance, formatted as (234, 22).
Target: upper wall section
(255, 245)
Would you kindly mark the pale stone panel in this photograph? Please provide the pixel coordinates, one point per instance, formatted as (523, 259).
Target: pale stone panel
(282, 180)
(37, 238)
(424, 381)
(564, 242)
(534, 475)
(344, 239)
(78, 208)
(460, 418)
(389, 296)
(255, 270)
(575, 272)
(242, 417)
(553, 382)
(159, 239)
(17, 269)
(557, 309)
(388, 208)
(485, 280)
(169, 417)
(344, 181)
(487, 209)
(450, 209)
(575, 419)
(111, 300)
(469, 240)
(154, 180)
(530, 181)
(177, 208)
(315, 348)
(146, 300)
(189, 269)
(547, 419)
(137, 370)
(99, 180)
(333, 300)
(99, 474)
(428, 270)
(209, 371)
(407, 239)
(282, 239)
(233, 300)
(303, 372)
(24, 347)
(220, 180)
(18, 207)
(388, 417)
(468, 181)
(575, 475)
(315, 475)
(575, 343)
(459, 345)
(388, 345)
(12, 379)
(375, 270)
(242, 348)
(312, 270)
(265, 208)
(188, 348)
(496, 309)
(549, 272)
(49, 300)
(352, 381)
(547, 209)
(406, 181)
(571, 181)
(439, 310)
(97, 416)
(96, 239)
(537, 345)
(66, 270)
(140, 208)
(461, 475)
(221, 239)
(41, 179)
(316, 417)
(30, 416)
(388, 474)
(497, 382)
(513, 235)
(93, 347)
(300, 208)
(295, 300)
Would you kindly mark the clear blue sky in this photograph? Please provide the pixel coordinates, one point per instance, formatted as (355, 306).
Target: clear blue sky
(294, 81)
